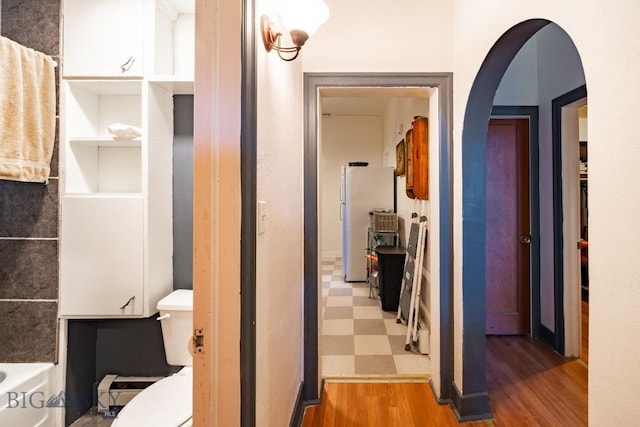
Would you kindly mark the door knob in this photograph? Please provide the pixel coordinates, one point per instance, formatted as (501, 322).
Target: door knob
(525, 238)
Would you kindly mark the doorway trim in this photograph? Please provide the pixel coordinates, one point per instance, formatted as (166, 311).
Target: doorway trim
(531, 113)
(557, 104)
(312, 83)
(248, 217)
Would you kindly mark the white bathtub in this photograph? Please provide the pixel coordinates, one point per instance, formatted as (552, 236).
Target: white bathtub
(25, 392)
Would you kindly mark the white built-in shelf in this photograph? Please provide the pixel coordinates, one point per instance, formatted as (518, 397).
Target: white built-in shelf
(106, 141)
(178, 85)
(103, 196)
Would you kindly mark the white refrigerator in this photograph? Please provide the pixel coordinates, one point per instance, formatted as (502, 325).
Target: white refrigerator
(362, 189)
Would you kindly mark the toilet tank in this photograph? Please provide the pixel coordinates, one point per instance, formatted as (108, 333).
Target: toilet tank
(176, 317)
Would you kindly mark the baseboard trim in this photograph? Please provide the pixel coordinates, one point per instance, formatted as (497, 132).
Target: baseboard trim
(470, 407)
(439, 399)
(298, 409)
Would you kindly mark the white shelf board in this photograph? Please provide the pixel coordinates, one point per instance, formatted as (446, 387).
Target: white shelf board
(103, 195)
(178, 85)
(116, 86)
(105, 141)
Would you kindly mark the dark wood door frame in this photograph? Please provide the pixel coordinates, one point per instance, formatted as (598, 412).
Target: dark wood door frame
(530, 113)
(312, 83)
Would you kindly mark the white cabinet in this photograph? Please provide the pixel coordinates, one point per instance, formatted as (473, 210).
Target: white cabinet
(116, 235)
(102, 252)
(128, 38)
(116, 201)
(103, 38)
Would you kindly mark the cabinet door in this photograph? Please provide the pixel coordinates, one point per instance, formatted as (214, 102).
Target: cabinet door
(101, 251)
(101, 36)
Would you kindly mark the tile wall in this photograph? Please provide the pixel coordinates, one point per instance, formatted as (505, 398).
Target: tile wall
(29, 217)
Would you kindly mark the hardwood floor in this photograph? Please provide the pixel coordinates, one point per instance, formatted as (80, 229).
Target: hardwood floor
(528, 385)
(380, 405)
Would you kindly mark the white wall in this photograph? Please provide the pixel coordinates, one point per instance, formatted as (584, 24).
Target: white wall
(519, 85)
(279, 289)
(344, 139)
(604, 37)
(401, 112)
(374, 35)
(424, 36)
(559, 71)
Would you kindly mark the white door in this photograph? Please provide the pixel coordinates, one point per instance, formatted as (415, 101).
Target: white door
(101, 257)
(103, 38)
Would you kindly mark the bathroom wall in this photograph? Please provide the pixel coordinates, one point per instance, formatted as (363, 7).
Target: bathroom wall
(29, 217)
(183, 192)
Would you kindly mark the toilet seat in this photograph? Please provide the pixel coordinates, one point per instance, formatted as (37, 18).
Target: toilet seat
(166, 403)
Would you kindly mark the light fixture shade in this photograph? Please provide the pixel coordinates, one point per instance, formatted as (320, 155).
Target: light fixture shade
(304, 15)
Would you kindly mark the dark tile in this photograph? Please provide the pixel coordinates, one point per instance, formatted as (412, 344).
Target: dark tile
(365, 301)
(29, 209)
(397, 343)
(338, 313)
(375, 365)
(29, 331)
(33, 23)
(369, 327)
(29, 269)
(337, 345)
(340, 292)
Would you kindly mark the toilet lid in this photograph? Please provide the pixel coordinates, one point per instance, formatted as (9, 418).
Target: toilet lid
(166, 403)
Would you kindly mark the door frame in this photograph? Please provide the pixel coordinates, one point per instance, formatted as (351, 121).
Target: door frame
(312, 83)
(532, 114)
(566, 298)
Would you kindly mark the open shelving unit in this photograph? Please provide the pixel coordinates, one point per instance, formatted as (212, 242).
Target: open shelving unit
(116, 240)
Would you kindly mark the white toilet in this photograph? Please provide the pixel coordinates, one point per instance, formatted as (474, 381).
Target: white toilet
(168, 402)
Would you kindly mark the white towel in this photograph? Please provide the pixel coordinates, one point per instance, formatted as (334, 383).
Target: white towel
(27, 112)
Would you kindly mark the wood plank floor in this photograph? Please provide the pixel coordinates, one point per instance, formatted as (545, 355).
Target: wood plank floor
(528, 385)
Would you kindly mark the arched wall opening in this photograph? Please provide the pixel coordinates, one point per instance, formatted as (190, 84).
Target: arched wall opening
(470, 396)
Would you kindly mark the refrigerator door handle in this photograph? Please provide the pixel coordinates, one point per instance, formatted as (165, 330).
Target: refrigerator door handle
(341, 209)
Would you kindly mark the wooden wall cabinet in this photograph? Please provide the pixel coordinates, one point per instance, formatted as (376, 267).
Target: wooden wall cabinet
(420, 158)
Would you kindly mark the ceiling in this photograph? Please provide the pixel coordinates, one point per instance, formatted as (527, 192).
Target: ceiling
(365, 101)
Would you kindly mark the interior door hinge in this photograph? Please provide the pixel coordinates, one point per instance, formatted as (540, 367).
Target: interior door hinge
(198, 341)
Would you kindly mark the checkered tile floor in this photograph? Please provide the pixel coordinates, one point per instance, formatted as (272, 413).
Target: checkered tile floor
(358, 337)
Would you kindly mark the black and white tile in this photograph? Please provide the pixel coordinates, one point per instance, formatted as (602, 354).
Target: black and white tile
(358, 338)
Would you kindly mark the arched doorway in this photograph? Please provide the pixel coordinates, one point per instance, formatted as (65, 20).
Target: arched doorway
(547, 319)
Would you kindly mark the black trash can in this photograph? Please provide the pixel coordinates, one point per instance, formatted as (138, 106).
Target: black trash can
(390, 267)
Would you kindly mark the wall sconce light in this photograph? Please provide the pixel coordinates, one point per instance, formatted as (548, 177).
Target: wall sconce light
(301, 18)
